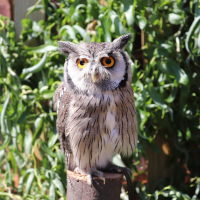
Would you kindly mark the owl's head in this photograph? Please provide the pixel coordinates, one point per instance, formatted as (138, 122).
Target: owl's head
(96, 67)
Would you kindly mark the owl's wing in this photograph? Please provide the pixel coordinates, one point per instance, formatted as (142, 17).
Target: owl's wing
(61, 101)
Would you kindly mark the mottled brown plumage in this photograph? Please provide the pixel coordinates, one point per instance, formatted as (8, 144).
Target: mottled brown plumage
(96, 120)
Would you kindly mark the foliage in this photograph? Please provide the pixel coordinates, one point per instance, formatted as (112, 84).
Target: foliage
(165, 50)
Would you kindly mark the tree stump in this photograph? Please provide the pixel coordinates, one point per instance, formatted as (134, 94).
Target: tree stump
(78, 189)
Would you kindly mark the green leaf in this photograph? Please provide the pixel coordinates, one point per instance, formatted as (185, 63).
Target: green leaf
(29, 182)
(106, 22)
(38, 127)
(36, 28)
(36, 67)
(142, 22)
(82, 32)
(171, 67)
(52, 193)
(42, 48)
(53, 140)
(183, 78)
(129, 15)
(171, 97)
(19, 159)
(116, 26)
(6, 141)
(59, 185)
(3, 112)
(27, 142)
(193, 27)
(47, 94)
(156, 96)
(175, 18)
(188, 134)
(2, 153)
(3, 66)
(70, 31)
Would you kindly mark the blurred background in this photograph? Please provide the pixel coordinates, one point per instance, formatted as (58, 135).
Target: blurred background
(165, 49)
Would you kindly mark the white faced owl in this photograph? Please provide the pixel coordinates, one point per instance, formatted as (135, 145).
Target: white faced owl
(95, 105)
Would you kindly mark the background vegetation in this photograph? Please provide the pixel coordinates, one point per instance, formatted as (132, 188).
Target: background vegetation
(165, 50)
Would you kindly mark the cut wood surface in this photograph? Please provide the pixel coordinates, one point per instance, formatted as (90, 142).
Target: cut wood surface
(79, 189)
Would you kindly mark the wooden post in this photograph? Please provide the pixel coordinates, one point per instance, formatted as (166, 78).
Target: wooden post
(78, 189)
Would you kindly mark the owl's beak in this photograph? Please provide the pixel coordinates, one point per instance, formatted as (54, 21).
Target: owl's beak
(95, 77)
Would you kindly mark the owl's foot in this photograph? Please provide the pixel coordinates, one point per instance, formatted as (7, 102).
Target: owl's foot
(126, 172)
(91, 175)
(117, 169)
(95, 173)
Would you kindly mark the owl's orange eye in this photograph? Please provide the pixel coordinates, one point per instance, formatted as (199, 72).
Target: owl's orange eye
(108, 61)
(82, 62)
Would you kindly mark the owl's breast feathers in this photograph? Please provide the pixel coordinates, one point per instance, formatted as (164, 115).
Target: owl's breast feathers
(95, 128)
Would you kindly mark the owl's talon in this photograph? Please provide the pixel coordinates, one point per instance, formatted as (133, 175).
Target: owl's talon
(95, 174)
(99, 174)
(117, 169)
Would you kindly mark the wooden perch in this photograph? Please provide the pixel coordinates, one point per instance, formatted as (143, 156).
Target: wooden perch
(78, 189)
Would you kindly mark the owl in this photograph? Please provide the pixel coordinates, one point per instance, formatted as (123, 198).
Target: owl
(96, 117)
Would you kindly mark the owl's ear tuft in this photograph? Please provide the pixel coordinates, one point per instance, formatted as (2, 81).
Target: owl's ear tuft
(121, 41)
(67, 47)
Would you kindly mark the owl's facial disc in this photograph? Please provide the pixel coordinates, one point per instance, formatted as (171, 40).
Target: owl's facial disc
(97, 66)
